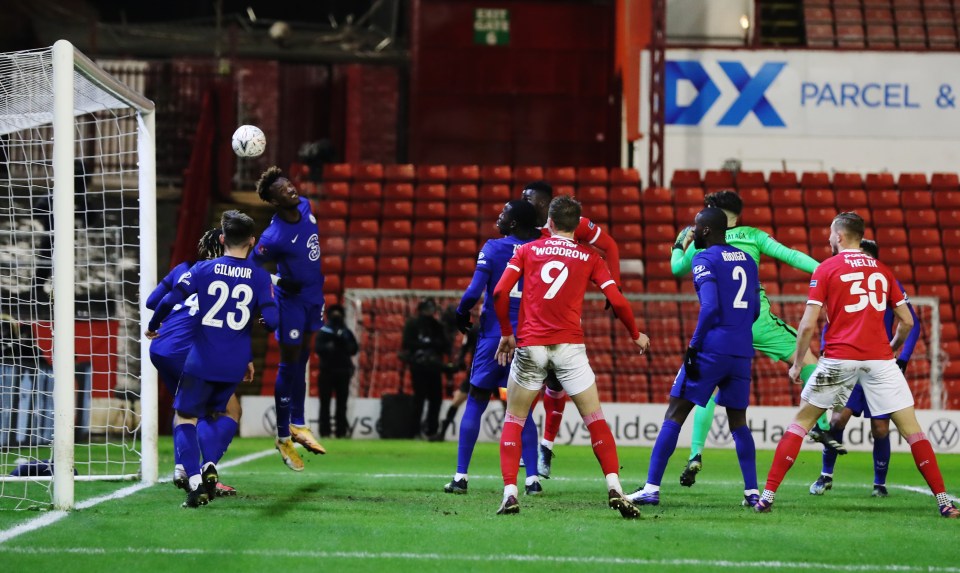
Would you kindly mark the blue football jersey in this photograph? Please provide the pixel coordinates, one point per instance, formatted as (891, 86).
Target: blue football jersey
(738, 299)
(176, 336)
(493, 258)
(295, 247)
(230, 293)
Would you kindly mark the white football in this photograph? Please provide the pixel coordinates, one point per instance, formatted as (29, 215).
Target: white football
(249, 141)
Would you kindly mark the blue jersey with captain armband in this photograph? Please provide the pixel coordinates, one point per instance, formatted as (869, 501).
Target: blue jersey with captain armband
(176, 336)
(728, 285)
(491, 263)
(230, 293)
(295, 247)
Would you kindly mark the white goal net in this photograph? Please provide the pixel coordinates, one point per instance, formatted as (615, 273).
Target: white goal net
(377, 318)
(76, 243)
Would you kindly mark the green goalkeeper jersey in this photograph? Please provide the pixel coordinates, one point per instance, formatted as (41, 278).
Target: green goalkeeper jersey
(752, 241)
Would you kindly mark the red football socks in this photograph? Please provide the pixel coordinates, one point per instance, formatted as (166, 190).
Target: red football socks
(785, 456)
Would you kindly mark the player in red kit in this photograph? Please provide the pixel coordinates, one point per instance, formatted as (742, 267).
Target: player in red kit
(555, 274)
(855, 289)
(587, 233)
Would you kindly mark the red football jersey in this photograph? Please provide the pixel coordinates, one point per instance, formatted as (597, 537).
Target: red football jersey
(555, 274)
(855, 289)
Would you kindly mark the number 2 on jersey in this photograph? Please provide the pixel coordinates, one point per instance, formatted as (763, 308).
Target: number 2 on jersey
(242, 293)
(740, 275)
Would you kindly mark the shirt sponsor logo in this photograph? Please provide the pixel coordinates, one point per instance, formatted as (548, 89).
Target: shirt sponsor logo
(294, 334)
(813, 283)
(313, 243)
(698, 269)
(591, 225)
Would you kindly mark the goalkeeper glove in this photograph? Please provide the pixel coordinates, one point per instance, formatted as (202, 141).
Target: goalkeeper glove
(690, 364)
(289, 286)
(678, 244)
(463, 322)
(902, 364)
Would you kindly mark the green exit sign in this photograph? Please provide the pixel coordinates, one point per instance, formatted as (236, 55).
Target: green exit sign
(491, 26)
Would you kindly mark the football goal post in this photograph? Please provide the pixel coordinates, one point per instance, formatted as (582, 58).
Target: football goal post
(77, 260)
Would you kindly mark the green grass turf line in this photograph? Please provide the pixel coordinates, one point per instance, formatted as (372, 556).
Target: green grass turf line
(379, 505)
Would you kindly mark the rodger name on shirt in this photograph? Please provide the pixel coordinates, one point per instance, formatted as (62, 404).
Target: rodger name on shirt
(560, 248)
(230, 271)
(732, 257)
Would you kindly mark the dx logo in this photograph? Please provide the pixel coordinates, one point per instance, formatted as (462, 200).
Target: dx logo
(720, 431)
(943, 434)
(750, 98)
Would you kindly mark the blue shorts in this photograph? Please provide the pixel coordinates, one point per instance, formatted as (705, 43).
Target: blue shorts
(486, 373)
(857, 402)
(170, 368)
(197, 397)
(731, 374)
(298, 319)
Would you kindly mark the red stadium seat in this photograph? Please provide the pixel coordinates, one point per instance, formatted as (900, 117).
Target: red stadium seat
(890, 236)
(423, 247)
(888, 218)
(330, 209)
(490, 211)
(879, 181)
(389, 247)
(822, 197)
(364, 209)
(820, 35)
(430, 210)
(903, 273)
(926, 255)
(782, 179)
(847, 15)
(490, 174)
(688, 196)
(686, 178)
(357, 246)
(524, 174)
(662, 286)
(393, 266)
(465, 229)
(358, 281)
(946, 199)
(334, 244)
(592, 194)
(795, 237)
(755, 195)
(923, 236)
(368, 172)
(847, 181)
(392, 282)
(768, 273)
(912, 181)
(456, 283)
(940, 291)
(460, 266)
(911, 36)
(592, 176)
(756, 216)
(463, 211)
(881, 36)
(462, 193)
(750, 179)
(561, 175)
(851, 199)
(916, 199)
(430, 192)
(398, 192)
(951, 238)
(599, 213)
(427, 266)
(399, 173)
(820, 217)
(462, 247)
(338, 172)
(364, 228)
(624, 176)
(657, 195)
(878, 14)
(920, 218)
(432, 173)
(635, 232)
(893, 253)
(850, 36)
(716, 179)
(658, 270)
(626, 214)
(945, 182)
(883, 199)
(331, 264)
(398, 209)
(397, 228)
(786, 197)
(931, 274)
(421, 282)
(685, 214)
(624, 194)
(657, 214)
(564, 190)
(789, 216)
(331, 284)
(942, 37)
(815, 180)
(335, 190)
(496, 193)
(464, 173)
(630, 249)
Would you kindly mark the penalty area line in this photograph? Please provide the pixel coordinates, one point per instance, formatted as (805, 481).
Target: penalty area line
(458, 557)
(54, 516)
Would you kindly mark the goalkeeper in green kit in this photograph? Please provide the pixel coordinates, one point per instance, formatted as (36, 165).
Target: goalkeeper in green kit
(771, 335)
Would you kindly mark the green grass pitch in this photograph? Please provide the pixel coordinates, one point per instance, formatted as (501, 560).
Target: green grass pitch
(379, 506)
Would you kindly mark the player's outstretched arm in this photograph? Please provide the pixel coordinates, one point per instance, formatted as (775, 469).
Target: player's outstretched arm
(165, 286)
(611, 253)
(170, 300)
(796, 259)
(905, 317)
(681, 257)
(805, 332)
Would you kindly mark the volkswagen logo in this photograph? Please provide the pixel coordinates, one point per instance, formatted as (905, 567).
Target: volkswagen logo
(943, 434)
(493, 422)
(270, 420)
(720, 431)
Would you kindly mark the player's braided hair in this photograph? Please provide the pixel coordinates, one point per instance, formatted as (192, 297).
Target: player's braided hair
(267, 179)
(565, 213)
(727, 200)
(210, 246)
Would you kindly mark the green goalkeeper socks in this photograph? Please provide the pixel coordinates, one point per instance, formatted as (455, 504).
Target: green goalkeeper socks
(702, 421)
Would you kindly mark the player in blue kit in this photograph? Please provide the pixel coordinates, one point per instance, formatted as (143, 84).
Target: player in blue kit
(169, 350)
(719, 355)
(857, 405)
(230, 290)
(517, 222)
(291, 241)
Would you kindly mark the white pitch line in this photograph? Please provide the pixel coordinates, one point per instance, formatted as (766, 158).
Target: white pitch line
(56, 515)
(491, 558)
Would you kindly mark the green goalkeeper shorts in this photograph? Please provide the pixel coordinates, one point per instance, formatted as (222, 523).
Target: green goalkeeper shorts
(771, 335)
